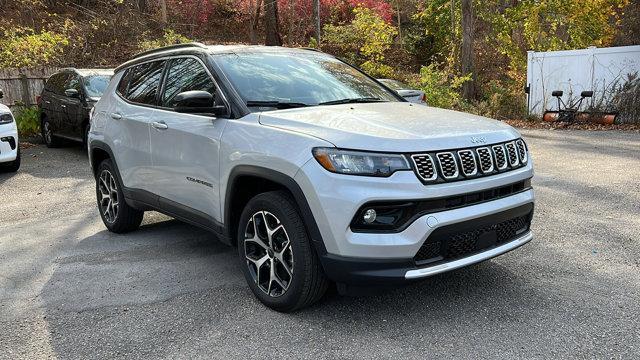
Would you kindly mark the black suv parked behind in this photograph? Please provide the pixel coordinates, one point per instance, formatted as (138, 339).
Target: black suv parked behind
(66, 100)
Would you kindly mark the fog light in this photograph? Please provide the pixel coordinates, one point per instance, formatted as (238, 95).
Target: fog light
(369, 216)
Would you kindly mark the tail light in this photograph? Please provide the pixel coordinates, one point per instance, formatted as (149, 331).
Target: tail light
(424, 98)
(38, 100)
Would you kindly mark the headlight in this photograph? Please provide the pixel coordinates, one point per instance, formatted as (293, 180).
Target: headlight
(359, 162)
(6, 119)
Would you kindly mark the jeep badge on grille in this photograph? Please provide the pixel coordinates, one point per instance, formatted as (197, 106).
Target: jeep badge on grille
(478, 139)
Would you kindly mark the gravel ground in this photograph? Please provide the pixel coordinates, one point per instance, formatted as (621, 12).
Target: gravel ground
(69, 289)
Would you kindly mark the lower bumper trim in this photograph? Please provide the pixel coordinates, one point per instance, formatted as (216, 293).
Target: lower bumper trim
(437, 269)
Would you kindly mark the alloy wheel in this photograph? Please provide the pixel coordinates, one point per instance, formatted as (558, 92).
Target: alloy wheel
(108, 200)
(48, 134)
(268, 253)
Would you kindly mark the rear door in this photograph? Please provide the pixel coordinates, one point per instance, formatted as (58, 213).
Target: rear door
(130, 115)
(185, 147)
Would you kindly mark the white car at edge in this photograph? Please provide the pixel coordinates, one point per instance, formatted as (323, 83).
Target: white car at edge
(9, 149)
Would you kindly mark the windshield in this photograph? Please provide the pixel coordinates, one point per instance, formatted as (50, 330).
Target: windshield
(96, 84)
(266, 79)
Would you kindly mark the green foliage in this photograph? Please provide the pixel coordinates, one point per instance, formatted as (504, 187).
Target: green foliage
(440, 87)
(364, 41)
(27, 120)
(24, 47)
(169, 37)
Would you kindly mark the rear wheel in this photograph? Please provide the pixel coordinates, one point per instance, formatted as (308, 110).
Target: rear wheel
(278, 261)
(47, 133)
(116, 214)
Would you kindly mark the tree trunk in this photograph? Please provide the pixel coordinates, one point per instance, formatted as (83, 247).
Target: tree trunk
(254, 16)
(272, 33)
(163, 11)
(466, 53)
(316, 19)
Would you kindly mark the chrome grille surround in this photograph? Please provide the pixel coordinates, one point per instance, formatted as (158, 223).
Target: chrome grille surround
(486, 160)
(512, 153)
(448, 165)
(425, 167)
(500, 156)
(459, 164)
(468, 162)
(522, 151)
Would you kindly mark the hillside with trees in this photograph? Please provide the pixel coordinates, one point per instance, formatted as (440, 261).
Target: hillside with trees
(466, 54)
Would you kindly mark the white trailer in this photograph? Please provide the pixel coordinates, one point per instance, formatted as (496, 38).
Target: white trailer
(600, 70)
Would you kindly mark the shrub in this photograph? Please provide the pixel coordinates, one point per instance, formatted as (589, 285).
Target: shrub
(27, 120)
(627, 100)
(23, 47)
(440, 87)
(364, 41)
(169, 37)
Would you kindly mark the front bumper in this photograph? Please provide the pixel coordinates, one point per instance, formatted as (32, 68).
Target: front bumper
(380, 272)
(388, 258)
(8, 147)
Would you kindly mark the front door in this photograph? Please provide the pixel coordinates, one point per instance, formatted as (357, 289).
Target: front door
(185, 147)
(71, 109)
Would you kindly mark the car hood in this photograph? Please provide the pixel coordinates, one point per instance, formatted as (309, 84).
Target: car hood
(390, 126)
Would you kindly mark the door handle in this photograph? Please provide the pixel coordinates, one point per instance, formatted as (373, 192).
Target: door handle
(116, 116)
(63, 106)
(160, 125)
(47, 102)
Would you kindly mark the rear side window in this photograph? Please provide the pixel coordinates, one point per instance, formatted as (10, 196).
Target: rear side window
(185, 74)
(144, 83)
(56, 83)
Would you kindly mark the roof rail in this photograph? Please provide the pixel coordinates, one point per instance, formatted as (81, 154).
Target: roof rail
(170, 47)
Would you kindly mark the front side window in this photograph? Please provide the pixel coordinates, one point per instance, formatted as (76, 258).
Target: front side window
(56, 83)
(298, 78)
(144, 83)
(185, 74)
(95, 85)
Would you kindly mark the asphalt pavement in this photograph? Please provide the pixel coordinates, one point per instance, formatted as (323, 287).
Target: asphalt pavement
(69, 289)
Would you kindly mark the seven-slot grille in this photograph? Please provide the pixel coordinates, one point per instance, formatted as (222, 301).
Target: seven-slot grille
(469, 163)
(448, 165)
(425, 167)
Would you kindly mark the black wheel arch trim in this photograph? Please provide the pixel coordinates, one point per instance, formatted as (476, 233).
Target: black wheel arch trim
(287, 182)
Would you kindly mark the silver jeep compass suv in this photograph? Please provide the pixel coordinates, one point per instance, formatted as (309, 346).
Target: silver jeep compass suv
(316, 172)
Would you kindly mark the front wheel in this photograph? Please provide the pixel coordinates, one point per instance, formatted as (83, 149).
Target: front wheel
(116, 214)
(277, 258)
(47, 134)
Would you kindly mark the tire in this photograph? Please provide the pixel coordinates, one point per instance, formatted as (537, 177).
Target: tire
(288, 247)
(47, 133)
(12, 166)
(116, 214)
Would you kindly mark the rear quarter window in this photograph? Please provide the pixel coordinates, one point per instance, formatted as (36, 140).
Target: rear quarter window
(144, 83)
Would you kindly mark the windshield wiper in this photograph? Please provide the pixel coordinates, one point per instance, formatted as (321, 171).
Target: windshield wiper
(275, 104)
(351, 101)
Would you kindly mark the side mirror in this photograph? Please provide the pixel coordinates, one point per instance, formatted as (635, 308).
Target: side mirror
(72, 93)
(197, 102)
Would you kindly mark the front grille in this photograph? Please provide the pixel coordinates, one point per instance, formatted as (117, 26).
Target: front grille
(448, 165)
(425, 167)
(468, 162)
(451, 245)
(486, 161)
(512, 154)
(460, 164)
